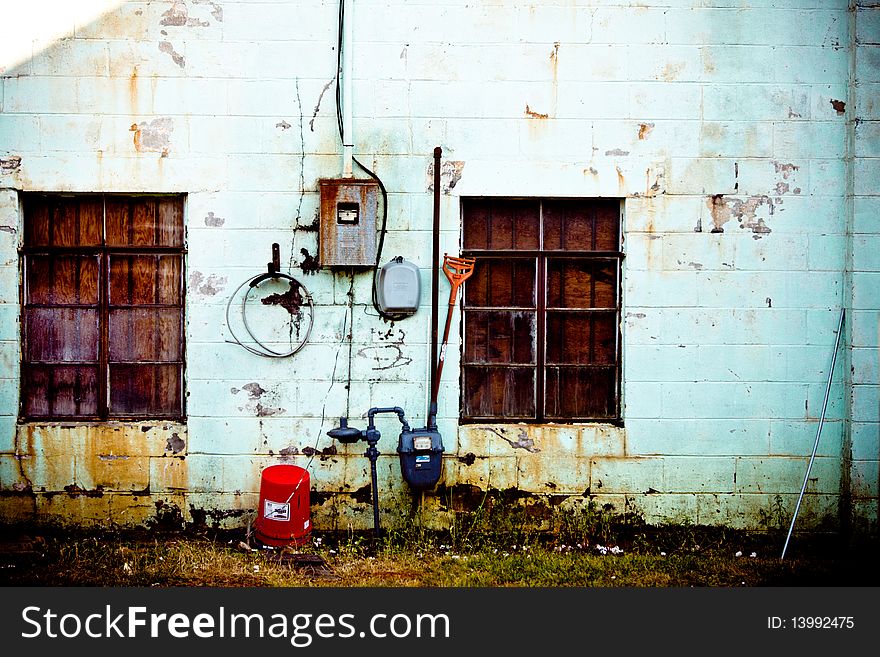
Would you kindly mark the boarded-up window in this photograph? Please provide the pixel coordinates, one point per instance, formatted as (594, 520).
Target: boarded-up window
(102, 316)
(542, 310)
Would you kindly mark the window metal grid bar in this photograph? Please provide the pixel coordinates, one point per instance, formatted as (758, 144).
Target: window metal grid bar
(541, 255)
(541, 297)
(103, 253)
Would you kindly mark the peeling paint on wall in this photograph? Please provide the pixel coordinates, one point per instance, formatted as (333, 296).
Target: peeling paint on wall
(213, 220)
(216, 9)
(744, 211)
(208, 287)
(522, 441)
(309, 264)
(175, 444)
(168, 48)
(450, 175)
(318, 104)
(268, 411)
(10, 163)
(154, 136)
(386, 357)
(839, 106)
(178, 16)
(255, 390)
(254, 402)
(786, 169)
(291, 300)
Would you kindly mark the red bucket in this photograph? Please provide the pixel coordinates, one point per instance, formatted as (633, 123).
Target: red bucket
(283, 515)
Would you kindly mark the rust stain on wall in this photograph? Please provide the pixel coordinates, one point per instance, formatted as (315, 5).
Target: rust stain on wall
(535, 115)
(658, 186)
(554, 63)
(133, 88)
(74, 491)
(154, 136)
(670, 71)
(645, 130)
(83, 472)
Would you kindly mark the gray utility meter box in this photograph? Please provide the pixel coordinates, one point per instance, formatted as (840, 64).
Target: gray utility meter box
(398, 287)
(347, 235)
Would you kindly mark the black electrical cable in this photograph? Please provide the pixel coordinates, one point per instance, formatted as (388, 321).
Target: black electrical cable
(384, 228)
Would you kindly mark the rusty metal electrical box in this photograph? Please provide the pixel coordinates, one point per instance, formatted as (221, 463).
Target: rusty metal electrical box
(347, 235)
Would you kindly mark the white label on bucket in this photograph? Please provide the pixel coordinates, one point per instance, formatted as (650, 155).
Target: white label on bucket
(276, 510)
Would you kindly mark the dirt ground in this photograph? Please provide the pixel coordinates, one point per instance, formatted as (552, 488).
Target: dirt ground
(667, 557)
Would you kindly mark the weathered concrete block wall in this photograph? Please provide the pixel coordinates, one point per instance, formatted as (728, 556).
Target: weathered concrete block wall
(724, 126)
(866, 261)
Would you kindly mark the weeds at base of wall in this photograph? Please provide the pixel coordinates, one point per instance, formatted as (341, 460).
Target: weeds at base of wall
(477, 520)
(68, 557)
(499, 523)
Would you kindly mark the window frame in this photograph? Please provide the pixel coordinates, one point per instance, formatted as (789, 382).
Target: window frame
(541, 256)
(103, 253)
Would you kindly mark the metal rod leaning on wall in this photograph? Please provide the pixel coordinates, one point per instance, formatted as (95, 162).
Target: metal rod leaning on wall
(431, 421)
(818, 432)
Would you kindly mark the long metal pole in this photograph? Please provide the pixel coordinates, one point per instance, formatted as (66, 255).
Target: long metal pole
(374, 482)
(818, 433)
(431, 422)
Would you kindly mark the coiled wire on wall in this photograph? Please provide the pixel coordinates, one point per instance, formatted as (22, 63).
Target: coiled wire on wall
(262, 349)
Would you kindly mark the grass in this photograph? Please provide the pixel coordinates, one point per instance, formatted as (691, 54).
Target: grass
(628, 556)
